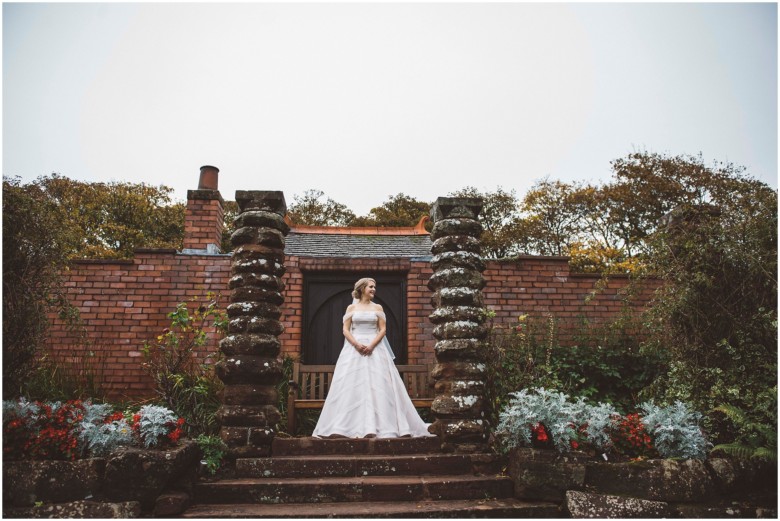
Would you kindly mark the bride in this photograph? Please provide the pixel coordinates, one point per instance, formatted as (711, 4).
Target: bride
(367, 397)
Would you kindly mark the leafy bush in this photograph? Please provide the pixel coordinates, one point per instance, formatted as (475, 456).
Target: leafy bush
(153, 424)
(605, 366)
(186, 384)
(34, 252)
(675, 430)
(716, 314)
(81, 377)
(756, 440)
(213, 449)
(282, 390)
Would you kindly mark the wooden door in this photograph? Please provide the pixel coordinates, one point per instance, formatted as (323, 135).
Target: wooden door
(325, 299)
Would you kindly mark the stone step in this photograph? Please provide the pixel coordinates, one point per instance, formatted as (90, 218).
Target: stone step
(486, 508)
(366, 488)
(346, 446)
(367, 465)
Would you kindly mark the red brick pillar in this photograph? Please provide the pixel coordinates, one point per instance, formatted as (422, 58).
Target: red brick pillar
(204, 218)
(457, 282)
(251, 367)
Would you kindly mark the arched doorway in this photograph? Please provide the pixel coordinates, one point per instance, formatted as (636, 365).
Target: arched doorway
(326, 297)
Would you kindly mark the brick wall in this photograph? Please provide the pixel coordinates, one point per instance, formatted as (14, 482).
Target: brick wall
(543, 286)
(124, 303)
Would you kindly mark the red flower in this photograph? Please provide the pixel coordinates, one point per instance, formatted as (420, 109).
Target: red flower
(117, 416)
(540, 432)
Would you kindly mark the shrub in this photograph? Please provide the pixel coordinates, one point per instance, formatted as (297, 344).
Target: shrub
(213, 449)
(187, 385)
(606, 364)
(716, 313)
(755, 439)
(34, 251)
(153, 424)
(282, 390)
(675, 430)
(81, 377)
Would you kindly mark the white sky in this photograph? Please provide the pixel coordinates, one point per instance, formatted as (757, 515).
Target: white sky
(366, 100)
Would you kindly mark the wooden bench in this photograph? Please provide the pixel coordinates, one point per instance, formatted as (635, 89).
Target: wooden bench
(310, 383)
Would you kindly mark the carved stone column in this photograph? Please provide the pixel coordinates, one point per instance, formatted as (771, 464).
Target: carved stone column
(457, 284)
(251, 368)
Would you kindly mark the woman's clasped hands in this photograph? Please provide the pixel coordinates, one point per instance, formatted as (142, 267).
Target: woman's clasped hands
(363, 349)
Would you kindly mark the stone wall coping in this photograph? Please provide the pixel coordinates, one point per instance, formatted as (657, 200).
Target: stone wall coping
(205, 195)
(169, 251)
(555, 258)
(103, 261)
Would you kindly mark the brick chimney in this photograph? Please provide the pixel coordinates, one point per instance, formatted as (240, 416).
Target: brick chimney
(203, 220)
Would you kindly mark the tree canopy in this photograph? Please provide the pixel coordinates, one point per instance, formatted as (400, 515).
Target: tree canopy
(398, 211)
(35, 248)
(110, 220)
(310, 209)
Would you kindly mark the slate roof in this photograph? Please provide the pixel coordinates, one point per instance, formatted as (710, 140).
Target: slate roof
(354, 245)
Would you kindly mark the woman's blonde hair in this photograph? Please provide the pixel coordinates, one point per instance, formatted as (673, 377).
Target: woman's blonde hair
(360, 285)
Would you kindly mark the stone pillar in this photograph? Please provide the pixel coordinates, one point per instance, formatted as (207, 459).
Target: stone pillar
(457, 282)
(251, 368)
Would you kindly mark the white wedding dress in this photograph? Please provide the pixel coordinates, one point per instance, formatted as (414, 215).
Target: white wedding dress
(367, 396)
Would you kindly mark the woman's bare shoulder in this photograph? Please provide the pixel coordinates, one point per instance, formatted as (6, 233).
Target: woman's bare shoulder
(376, 307)
(351, 308)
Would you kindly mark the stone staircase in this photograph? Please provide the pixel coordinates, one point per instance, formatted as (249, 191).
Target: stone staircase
(401, 477)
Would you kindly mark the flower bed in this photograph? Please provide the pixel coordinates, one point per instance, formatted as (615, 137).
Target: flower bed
(599, 463)
(77, 429)
(548, 419)
(57, 455)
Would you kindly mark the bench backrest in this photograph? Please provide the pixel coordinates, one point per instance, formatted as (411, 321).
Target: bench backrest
(314, 380)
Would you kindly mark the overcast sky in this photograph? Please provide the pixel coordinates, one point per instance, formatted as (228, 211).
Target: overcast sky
(365, 100)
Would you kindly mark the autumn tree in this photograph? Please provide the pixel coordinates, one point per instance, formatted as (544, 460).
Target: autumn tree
(398, 211)
(111, 220)
(54, 219)
(314, 209)
(502, 230)
(35, 247)
(552, 216)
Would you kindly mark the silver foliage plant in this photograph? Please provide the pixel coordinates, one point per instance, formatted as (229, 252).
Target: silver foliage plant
(561, 417)
(675, 430)
(103, 438)
(20, 408)
(154, 423)
(99, 437)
